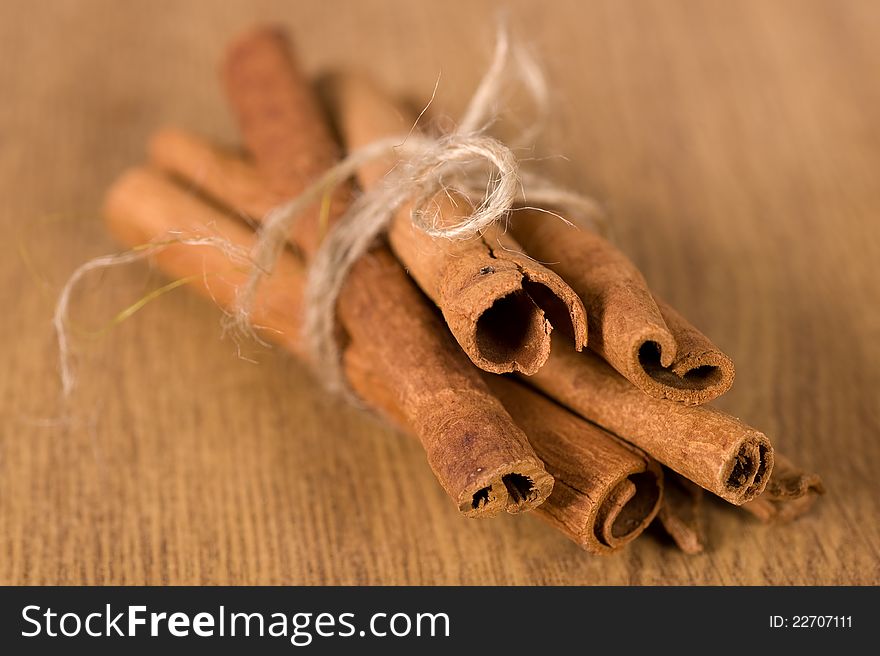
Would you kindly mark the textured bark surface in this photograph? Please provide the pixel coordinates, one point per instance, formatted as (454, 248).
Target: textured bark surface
(472, 444)
(647, 341)
(707, 446)
(283, 125)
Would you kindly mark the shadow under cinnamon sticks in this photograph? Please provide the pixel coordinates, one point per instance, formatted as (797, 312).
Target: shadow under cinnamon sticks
(606, 492)
(790, 493)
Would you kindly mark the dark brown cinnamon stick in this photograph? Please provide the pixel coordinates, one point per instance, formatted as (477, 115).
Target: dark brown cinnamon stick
(575, 514)
(643, 338)
(606, 492)
(499, 304)
(709, 447)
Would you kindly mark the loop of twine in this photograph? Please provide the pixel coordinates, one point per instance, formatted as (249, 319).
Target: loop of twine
(456, 161)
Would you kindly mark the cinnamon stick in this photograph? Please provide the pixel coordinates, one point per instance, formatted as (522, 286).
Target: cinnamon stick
(143, 206)
(215, 171)
(283, 126)
(500, 305)
(711, 448)
(609, 491)
(790, 493)
(643, 338)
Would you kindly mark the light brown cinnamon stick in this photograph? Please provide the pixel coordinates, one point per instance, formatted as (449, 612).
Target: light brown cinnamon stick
(143, 206)
(709, 447)
(500, 305)
(790, 493)
(215, 171)
(609, 491)
(643, 338)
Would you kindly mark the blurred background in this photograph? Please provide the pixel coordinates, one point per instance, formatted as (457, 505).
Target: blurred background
(736, 145)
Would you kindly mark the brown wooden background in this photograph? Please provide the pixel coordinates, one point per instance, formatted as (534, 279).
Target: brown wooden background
(737, 144)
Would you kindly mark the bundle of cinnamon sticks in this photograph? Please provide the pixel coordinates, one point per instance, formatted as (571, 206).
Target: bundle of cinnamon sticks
(568, 390)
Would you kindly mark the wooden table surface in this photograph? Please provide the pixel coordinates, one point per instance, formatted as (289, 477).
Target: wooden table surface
(737, 145)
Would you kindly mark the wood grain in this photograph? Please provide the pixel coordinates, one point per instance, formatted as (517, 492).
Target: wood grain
(736, 144)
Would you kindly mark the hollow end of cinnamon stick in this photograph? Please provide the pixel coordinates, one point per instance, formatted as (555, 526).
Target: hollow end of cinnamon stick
(503, 311)
(745, 475)
(704, 374)
(715, 450)
(479, 455)
(499, 304)
(514, 488)
(630, 506)
(694, 371)
(499, 484)
(620, 512)
(510, 335)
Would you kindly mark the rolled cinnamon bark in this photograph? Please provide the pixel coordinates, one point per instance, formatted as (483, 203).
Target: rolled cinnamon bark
(216, 171)
(283, 126)
(500, 305)
(610, 491)
(143, 206)
(790, 493)
(681, 513)
(707, 446)
(472, 444)
(644, 339)
(579, 517)
(477, 451)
